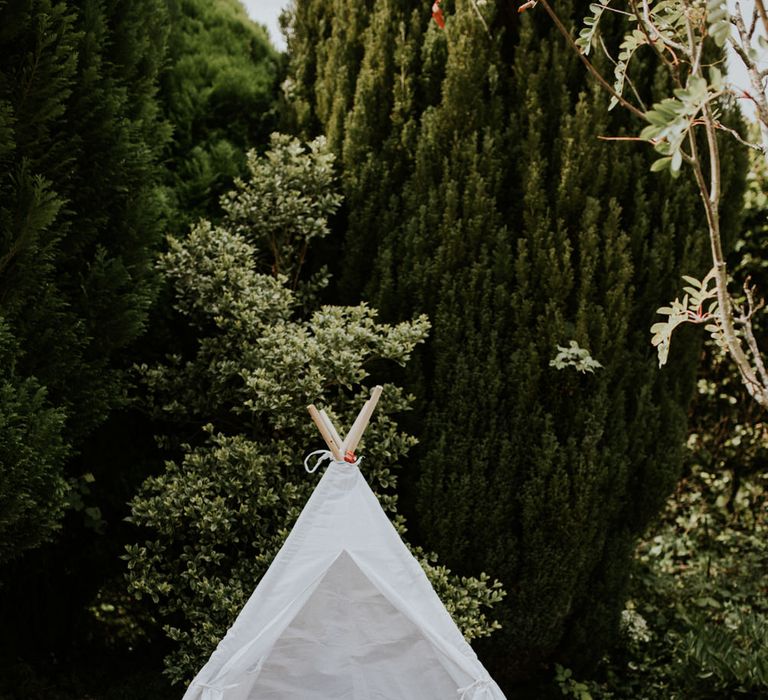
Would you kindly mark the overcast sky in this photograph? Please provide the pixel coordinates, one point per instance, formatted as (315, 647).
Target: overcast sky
(267, 12)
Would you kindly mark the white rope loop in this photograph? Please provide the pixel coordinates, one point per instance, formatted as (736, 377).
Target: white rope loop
(326, 456)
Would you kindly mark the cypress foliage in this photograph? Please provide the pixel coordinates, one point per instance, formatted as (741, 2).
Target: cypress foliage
(32, 485)
(31, 452)
(352, 70)
(479, 193)
(81, 207)
(81, 214)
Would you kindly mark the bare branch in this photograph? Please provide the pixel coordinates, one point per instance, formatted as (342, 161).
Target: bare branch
(752, 306)
(746, 319)
(711, 200)
(752, 21)
(756, 76)
(760, 7)
(482, 19)
(754, 146)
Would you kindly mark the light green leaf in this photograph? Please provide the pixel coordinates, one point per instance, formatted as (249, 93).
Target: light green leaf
(676, 162)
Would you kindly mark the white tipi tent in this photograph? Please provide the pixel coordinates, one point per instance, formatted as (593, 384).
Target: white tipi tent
(344, 612)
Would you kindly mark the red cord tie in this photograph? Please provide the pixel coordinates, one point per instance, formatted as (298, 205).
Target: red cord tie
(437, 14)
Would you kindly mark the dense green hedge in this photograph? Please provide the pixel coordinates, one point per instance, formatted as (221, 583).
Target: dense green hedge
(478, 192)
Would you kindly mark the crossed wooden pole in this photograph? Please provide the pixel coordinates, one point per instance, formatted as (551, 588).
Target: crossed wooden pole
(345, 449)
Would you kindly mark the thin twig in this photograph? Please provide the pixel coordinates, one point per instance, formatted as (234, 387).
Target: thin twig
(621, 138)
(482, 19)
(608, 8)
(752, 307)
(754, 146)
(694, 49)
(597, 75)
(752, 22)
(763, 15)
(755, 75)
(626, 77)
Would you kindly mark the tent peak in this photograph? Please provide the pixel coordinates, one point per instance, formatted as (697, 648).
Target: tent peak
(344, 450)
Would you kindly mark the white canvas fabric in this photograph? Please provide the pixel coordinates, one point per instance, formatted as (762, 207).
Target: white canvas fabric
(344, 613)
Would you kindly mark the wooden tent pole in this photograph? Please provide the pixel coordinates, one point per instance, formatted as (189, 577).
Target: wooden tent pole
(321, 426)
(361, 422)
(345, 449)
(332, 430)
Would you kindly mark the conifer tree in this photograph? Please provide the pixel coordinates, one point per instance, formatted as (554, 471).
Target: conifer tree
(32, 486)
(218, 92)
(32, 442)
(479, 193)
(84, 130)
(80, 216)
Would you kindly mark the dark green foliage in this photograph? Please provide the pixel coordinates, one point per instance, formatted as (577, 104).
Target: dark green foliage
(104, 675)
(697, 620)
(550, 456)
(218, 92)
(83, 203)
(81, 210)
(80, 214)
(700, 582)
(478, 192)
(31, 455)
(728, 658)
